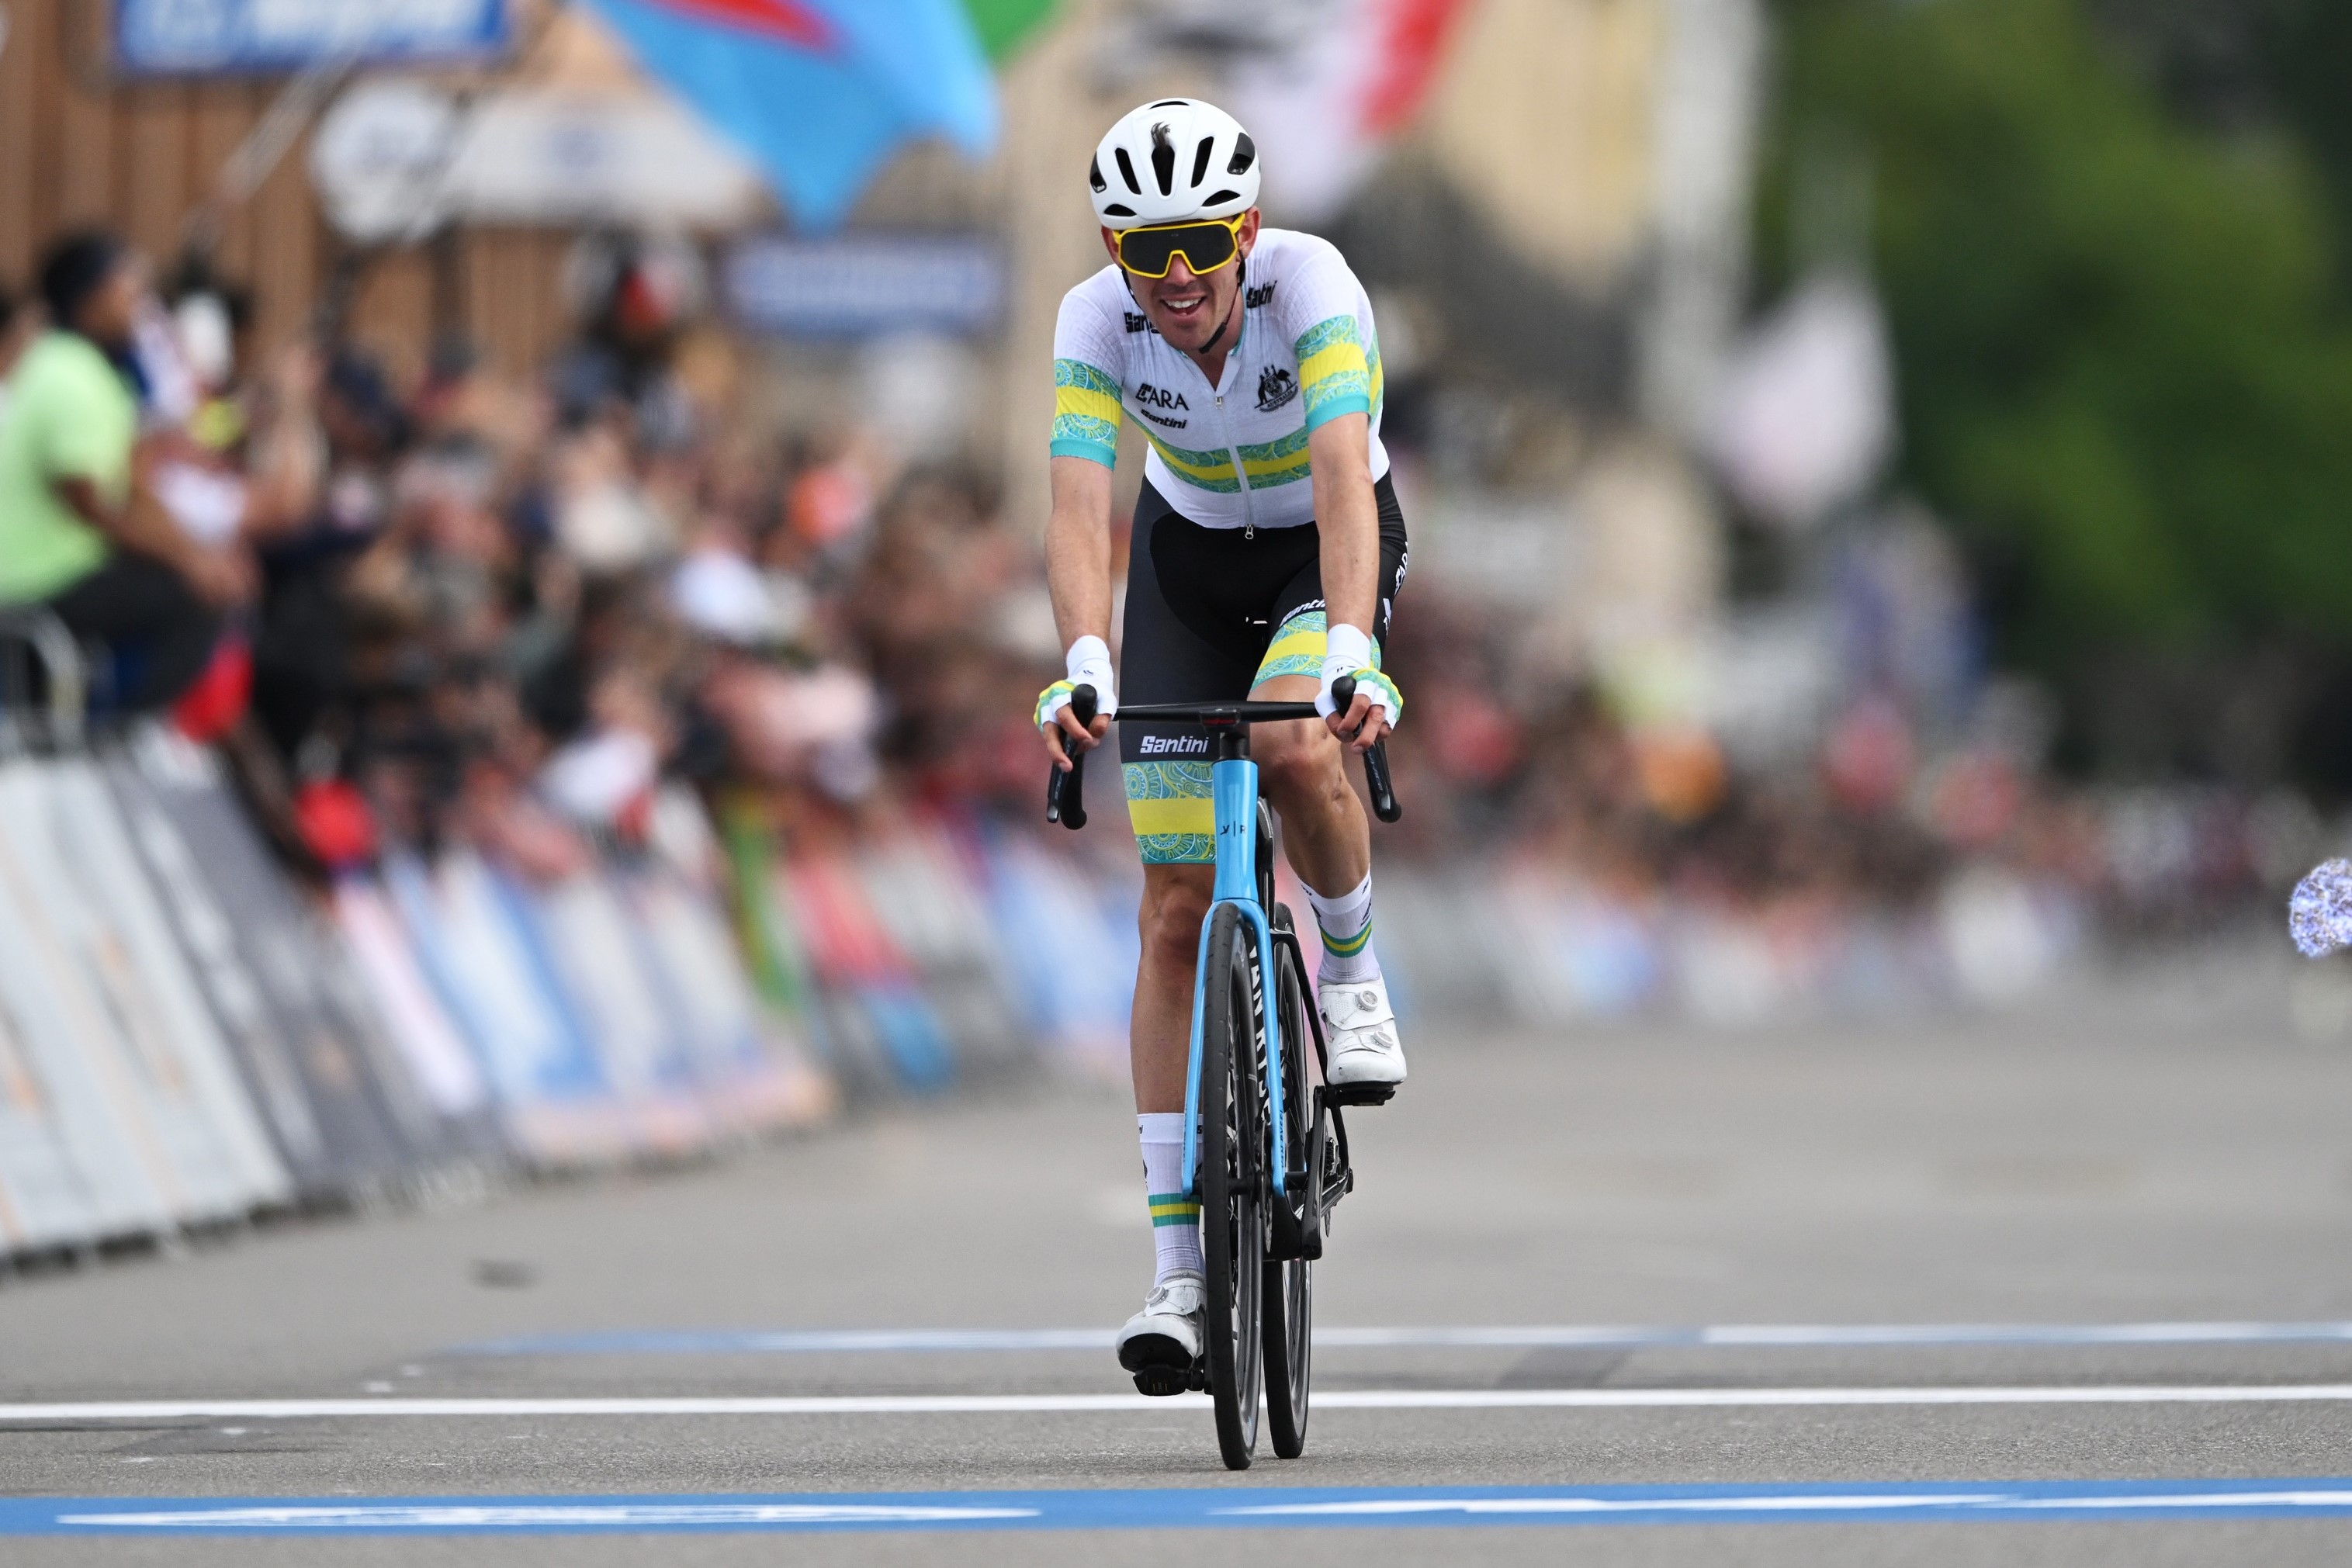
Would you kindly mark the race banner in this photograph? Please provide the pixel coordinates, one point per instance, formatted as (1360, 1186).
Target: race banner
(753, 1071)
(129, 1003)
(74, 1167)
(258, 957)
(582, 926)
(95, 842)
(251, 38)
(927, 900)
(556, 1101)
(887, 1033)
(436, 1054)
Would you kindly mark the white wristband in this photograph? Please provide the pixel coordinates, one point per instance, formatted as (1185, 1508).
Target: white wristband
(1089, 665)
(1346, 650)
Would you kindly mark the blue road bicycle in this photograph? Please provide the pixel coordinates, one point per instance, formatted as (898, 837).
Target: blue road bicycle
(1265, 1144)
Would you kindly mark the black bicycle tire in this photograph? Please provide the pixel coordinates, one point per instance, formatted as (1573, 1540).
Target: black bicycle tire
(1232, 1216)
(1288, 1293)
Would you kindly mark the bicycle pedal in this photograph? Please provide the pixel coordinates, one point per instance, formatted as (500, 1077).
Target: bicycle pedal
(1164, 1382)
(1354, 1095)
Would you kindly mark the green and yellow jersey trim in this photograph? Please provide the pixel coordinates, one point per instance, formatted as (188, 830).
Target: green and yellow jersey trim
(1339, 373)
(1085, 413)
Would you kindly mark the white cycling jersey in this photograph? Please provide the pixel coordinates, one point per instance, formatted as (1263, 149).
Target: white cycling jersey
(1232, 455)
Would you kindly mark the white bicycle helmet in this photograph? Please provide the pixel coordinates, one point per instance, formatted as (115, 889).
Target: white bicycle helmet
(1171, 161)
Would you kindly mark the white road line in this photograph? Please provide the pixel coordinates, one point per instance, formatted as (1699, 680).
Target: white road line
(1085, 1403)
(541, 1516)
(698, 1342)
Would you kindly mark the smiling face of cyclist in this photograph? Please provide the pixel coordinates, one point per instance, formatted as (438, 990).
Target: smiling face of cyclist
(1187, 307)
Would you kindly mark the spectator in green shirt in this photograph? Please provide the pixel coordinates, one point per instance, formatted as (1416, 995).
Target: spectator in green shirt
(78, 534)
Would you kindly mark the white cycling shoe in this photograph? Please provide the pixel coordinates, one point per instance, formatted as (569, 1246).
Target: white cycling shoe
(1360, 1033)
(1161, 1343)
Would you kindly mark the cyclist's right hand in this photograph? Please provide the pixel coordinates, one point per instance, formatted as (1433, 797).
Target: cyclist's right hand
(1089, 665)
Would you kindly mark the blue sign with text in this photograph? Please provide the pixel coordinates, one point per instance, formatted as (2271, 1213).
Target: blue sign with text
(231, 37)
(856, 286)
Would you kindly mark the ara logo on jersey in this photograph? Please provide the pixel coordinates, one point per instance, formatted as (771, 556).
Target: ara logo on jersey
(1151, 396)
(1276, 386)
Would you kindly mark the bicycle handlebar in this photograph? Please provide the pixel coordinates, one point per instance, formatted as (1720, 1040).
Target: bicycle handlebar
(1065, 800)
(1376, 782)
(1065, 789)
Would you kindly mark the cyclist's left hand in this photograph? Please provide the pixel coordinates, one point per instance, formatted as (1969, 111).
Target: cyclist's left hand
(1378, 705)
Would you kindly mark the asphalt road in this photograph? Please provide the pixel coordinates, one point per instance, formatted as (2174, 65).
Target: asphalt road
(1904, 1234)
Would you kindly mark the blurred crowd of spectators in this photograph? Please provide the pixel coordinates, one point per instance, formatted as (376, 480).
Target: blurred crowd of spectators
(505, 609)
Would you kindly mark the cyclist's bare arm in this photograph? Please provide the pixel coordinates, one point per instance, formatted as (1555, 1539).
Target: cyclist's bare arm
(1077, 573)
(1348, 516)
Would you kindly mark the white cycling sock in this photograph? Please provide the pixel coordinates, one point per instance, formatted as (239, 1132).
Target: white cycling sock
(1175, 1219)
(1346, 923)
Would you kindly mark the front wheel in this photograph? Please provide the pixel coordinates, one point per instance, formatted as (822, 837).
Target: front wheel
(1290, 1281)
(1232, 1180)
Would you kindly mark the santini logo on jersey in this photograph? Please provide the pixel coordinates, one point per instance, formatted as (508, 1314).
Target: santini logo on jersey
(1151, 396)
(1276, 386)
(1177, 744)
(1136, 323)
(1254, 297)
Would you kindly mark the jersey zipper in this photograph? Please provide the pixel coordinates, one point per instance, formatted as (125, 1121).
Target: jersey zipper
(1224, 426)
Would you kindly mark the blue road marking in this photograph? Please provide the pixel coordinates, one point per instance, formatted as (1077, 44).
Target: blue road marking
(1537, 1337)
(1184, 1508)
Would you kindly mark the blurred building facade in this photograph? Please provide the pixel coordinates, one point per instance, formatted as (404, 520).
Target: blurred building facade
(1596, 149)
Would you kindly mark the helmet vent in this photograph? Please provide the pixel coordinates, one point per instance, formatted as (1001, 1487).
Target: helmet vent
(1201, 163)
(1173, 103)
(1094, 176)
(1126, 171)
(1221, 197)
(1244, 154)
(1118, 210)
(1164, 160)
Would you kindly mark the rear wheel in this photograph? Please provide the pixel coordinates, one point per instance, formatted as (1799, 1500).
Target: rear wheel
(1289, 1281)
(1233, 1183)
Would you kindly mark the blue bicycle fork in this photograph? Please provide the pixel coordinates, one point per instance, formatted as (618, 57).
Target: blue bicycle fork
(1233, 786)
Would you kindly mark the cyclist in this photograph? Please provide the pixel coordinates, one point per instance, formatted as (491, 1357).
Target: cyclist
(1265, 557)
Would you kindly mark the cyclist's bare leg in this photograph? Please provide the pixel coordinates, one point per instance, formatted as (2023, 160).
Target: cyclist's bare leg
(1159, 1042)
(1323, 830)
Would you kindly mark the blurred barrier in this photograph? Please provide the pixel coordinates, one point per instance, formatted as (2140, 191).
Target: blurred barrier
(188, 1038)
(123, 1008)
(343, 1117)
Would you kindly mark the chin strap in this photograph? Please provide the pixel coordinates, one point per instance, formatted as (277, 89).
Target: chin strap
(1241, 303)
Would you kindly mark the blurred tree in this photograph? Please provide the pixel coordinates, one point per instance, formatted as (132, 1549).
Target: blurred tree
(2123, 364)
(1002, 23)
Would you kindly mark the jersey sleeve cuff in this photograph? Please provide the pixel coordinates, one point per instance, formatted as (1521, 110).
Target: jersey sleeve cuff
(1094, 451)
(1333, 408)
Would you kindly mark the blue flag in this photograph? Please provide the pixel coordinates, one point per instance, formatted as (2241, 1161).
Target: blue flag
(820, 93)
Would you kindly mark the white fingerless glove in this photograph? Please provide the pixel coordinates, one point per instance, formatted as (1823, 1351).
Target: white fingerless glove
(1088, 663)
(1347, 651)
